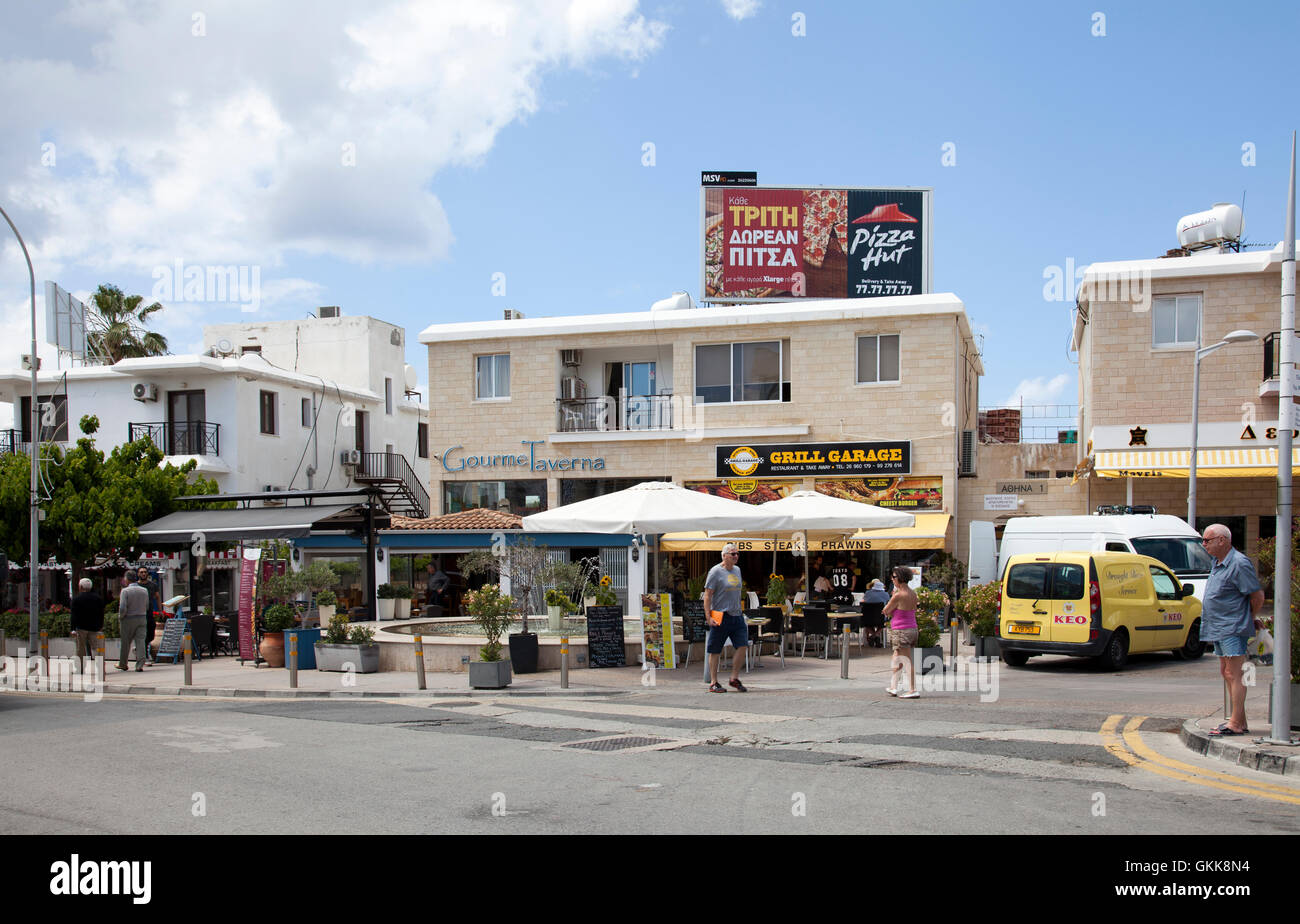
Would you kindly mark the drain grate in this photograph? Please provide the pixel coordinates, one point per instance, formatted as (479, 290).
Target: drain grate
(616, 744)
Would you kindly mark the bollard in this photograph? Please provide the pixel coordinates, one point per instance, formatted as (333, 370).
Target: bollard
(844, 653)
(419, 662)
(45, 646)
(99, 656)
(564, 662)
(189, 660)
(952, 642)
(291, 659)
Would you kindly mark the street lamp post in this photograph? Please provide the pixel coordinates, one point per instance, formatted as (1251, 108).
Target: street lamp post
(1237, 336)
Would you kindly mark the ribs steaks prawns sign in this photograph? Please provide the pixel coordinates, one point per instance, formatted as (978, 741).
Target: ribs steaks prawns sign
(796, 459)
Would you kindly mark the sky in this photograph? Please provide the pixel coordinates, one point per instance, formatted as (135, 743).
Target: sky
(431, 162)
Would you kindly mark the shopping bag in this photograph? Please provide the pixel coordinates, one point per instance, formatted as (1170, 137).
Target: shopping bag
(1264, 641)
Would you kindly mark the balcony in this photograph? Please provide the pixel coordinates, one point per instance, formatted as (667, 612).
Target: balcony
(1271, 387)
(12, 441)
(634, 412)
(182, 438)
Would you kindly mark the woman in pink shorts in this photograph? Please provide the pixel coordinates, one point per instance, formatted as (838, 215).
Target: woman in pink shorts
(901, 609)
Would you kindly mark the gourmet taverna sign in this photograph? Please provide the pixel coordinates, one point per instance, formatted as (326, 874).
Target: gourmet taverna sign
(456, 459)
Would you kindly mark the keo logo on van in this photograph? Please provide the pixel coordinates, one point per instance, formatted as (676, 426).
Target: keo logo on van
(1069, 620)
(1173, 617)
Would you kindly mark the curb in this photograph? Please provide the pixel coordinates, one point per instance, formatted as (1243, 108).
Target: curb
(1242, 751)
(233, 693)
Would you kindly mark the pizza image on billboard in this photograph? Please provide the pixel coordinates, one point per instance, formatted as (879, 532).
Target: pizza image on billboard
(782, 243)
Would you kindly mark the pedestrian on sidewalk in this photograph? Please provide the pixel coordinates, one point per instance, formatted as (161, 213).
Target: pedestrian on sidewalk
(87, 617)
(151, 614)
(722, 590)
(1229, 611)
(901, 609)
(132, 607)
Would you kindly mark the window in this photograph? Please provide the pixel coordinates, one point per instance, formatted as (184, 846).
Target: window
(576, 489)
(250, 349)
(1036, 473)
(266, 405)
(520, 497)
(727, 373)
(53, 424)
(492, 376)
(878, 359)
(388, 396)
(422, 440)
(1166, 587)
(1176, 321)
(1064, 473)
(1045, 581)
(307, 414)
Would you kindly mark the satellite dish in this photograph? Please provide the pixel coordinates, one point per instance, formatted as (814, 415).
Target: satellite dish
(411, 379)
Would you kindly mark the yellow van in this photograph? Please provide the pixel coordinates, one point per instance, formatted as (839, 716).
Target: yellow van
(1100, 605)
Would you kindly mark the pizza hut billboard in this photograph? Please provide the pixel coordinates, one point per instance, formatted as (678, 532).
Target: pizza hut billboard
(769, 243)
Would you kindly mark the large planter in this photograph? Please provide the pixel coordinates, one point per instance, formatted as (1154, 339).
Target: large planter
(272, 648)
(986, 646)
(928, 659)
(489, 675)
(360, 659)
(384, 609)
(523, 652)
(555, 618)
(326, 613)
(307, 639)
(1295, 705)
(402, 608)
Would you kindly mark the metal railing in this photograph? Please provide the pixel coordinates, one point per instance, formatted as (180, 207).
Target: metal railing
(1272, 354)
(634, 412)
(12, 441)
(392, 466)
(182, 438)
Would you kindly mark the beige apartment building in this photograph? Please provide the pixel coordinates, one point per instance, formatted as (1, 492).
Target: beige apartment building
(871, 399)
(1137, 331)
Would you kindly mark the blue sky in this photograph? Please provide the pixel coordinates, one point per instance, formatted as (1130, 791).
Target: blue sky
(509, 137)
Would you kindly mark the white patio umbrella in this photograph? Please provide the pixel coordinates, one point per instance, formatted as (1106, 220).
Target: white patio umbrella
(655, 507)
(820, 516)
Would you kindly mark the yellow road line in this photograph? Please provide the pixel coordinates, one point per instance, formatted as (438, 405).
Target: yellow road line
(1115, 746)
(1139, 747)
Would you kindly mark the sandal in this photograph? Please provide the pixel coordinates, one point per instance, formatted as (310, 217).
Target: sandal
(910, 694)
(891, 691)
(1225, 730)
(740, 687)
(717, 688)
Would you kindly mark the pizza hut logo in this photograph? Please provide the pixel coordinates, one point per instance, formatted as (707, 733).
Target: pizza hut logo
(1068, 620)
(885, 213)
(743, 460)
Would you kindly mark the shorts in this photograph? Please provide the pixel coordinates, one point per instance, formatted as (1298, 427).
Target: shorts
(734, 628)
(902, 639)
(1234, 646)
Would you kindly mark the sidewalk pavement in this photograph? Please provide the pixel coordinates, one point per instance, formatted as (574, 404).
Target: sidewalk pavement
(1246, 750)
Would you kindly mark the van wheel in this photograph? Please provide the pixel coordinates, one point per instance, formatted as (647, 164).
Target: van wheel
(1116, 654)
(1015, 658)
(1193, 648)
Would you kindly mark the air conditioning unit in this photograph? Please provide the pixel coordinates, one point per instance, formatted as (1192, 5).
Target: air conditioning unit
(395, 337)
(144, 391)
(571, 357)
(350, 457)
(272, 501)
(968, 445)
(512, 314)
(327, 311)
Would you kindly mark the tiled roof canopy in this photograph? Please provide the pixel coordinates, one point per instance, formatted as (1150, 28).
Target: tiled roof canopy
(481, 518)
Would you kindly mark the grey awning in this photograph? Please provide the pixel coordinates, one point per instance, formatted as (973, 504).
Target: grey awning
(253, 523)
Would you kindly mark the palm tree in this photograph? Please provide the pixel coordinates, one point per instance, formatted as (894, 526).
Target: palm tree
(121, 334)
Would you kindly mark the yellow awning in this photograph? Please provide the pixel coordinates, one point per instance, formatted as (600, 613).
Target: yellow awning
(930, 532)
(1176, 463)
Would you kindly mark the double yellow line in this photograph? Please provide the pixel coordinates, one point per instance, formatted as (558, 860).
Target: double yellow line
(1130, 748)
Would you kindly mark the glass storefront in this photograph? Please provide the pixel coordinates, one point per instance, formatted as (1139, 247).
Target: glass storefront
(351, 572)
(578, 489)
(519, 497)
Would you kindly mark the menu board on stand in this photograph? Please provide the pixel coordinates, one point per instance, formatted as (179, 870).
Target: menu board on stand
(605, 637)
(657, 646)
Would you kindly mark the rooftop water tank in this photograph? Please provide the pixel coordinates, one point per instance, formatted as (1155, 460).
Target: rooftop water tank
(678, 301)
(1213, 226)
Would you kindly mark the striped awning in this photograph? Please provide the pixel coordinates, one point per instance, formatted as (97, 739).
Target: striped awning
(1176, 463)
(929, 532)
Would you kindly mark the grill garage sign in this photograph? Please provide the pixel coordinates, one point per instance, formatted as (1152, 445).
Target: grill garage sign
(795, 459)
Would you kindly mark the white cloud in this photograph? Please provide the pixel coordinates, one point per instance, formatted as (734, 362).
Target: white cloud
(740, 9)
(1041, 391)
(278, 130)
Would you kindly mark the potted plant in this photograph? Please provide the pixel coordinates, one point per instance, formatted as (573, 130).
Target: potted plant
(558, 605)
(402, 595)
(930, 608)
(326, 601)
(775, 595)
(604, 594)
(276, 618)
(695, 587)
(526, 564)
(347, 648)
(978, 608)
(385, 602)
(493, 612)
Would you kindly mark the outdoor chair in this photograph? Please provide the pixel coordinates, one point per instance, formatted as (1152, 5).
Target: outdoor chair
(873, 621)
(774, 631)
(203, 633)
(815, 622)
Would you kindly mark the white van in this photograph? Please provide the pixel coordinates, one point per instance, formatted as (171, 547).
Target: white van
(1166, 538)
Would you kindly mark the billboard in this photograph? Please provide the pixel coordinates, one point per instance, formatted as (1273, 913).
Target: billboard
(778, 243)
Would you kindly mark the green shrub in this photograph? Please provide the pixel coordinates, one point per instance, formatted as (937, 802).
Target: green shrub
(386, 592)
(278, 617)
(493, 611)
(337, 633)
(979, 607)
(327, 598)
(361, 635)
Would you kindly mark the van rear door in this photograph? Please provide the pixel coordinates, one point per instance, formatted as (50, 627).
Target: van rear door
(1026, 611)
(1070, 607)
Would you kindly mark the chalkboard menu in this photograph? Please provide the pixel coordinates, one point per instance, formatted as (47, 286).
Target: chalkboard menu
(694, 625)
(605, 637)
(173, 638)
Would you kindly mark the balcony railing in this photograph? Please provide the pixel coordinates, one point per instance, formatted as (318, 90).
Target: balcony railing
(182, 438)
(1272, 354)
(635, 412)
(12, 441)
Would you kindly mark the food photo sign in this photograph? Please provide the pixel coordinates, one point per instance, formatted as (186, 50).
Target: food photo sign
(777, 243)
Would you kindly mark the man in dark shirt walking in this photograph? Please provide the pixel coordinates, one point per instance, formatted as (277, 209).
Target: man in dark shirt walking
(87, 617)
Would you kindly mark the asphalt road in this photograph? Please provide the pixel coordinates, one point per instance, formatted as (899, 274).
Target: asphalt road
(672, 758)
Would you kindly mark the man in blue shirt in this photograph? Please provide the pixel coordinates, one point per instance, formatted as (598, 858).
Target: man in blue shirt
(1232, 600)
